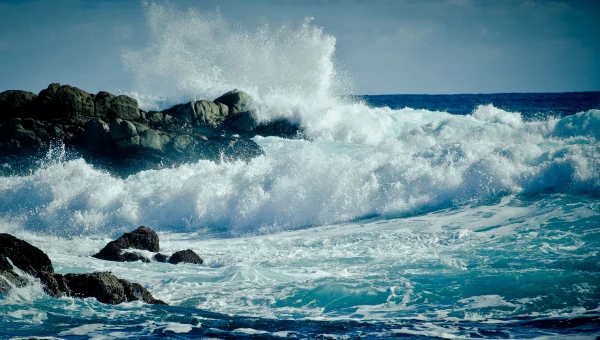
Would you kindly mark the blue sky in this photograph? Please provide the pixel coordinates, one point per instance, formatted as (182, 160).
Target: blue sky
(389, 46)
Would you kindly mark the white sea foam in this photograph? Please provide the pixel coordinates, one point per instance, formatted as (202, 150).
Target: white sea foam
(436, 160)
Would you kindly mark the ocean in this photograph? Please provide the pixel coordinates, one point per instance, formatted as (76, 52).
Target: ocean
(394, 216)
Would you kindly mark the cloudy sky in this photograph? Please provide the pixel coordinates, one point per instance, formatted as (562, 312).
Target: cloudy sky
(389, 46)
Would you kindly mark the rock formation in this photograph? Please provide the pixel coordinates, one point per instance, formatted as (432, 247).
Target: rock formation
(113, 133)
(18, 257)
(142, 238)
(185, 256)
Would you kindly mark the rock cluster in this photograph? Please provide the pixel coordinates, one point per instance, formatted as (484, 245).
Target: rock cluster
(112, 132)
(143, 239)
(18, 257)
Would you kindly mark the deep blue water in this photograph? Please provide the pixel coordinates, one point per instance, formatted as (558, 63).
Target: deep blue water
(529, 104)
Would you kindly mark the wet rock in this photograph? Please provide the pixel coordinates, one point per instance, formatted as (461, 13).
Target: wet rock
(241, 117)
(109, 106)
(160, 257)
(15, 103)
(110, 132)
(64, 101)
(237, 101)
(142, 238)
(8, 278)
(185, 256)
(24, 256)
(107, 288)
(18, 256)
(280, 128)
(96, 137)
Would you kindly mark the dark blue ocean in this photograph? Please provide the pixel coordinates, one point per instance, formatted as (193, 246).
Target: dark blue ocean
(402, 216)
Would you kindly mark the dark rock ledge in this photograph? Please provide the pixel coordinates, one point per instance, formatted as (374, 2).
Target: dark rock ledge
(111, 131)
(104, 286)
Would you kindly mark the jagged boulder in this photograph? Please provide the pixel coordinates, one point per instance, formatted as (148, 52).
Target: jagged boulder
(241, 117)
(142, 238)
(111, 132)
(24, 256)
(107, 288)
(20, 254)
(16, 103)
(109, 106)
(202, 113)
(65, 102)
(104, 286)
(96, 136)
(185, 256)
(161, 257)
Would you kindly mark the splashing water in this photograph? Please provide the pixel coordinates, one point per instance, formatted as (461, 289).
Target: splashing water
(193, 55)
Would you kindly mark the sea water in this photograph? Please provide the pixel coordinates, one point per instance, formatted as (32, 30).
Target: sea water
(398, 216)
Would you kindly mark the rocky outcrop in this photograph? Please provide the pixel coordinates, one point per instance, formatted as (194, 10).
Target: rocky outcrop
(161, 257)
(142, 238)
(111, 131)
(20, 254)
(185, 256)
(107, 288)
(18, 257)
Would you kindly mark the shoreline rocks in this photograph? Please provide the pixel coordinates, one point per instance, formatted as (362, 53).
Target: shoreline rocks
(143, 239)
(112, 133)
(18, 257)
(185, 256)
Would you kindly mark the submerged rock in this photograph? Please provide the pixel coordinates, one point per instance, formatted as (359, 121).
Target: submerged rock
(185, 256)
(18, 256)
(142, 238)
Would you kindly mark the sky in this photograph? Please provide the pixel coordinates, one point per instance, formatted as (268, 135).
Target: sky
(388, 46)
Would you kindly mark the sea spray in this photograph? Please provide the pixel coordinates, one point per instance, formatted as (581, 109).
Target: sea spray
(193, 55)
(435, 161)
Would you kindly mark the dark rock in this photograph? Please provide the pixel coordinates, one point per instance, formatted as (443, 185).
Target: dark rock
(24, 256)
(54, 284)
(239, 148)
(103, 286)
(15, 103)
(161, 257)
(241, 117)
(280, 128)
(185, 256)
(95, 136)
(142, 238)
(237, 101)
(109, 107)
(8, 278)
(133, 257)
(107, 288)
(64, 101)
(110, 132)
